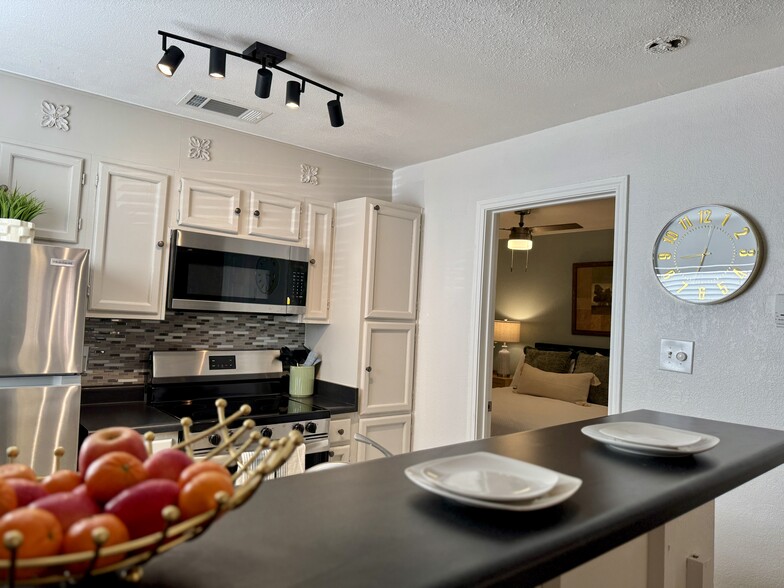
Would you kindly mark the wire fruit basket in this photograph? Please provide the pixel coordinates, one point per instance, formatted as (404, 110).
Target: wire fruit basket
(253, 455)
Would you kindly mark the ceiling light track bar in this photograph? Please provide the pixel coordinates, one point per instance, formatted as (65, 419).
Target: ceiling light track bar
(259, 53)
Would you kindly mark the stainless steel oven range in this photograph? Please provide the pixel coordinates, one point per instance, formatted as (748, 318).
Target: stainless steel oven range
(187, 383)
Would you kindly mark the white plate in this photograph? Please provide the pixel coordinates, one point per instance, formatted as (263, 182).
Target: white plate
(564, 488)
(649, 434)
(706, 442)
(488, 476)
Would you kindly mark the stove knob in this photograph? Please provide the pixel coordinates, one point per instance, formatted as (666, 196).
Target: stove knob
(311, 427)
(299, 427)
(266, 432)
(215, 440)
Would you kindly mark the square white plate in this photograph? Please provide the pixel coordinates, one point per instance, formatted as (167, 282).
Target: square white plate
(650, 434)
(488, 476)
(564, 488)
(706, 442)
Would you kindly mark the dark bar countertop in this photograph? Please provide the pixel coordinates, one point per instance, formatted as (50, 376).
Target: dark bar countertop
(368, 525)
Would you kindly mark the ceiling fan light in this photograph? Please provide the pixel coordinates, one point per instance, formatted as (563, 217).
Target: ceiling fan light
(520, 239)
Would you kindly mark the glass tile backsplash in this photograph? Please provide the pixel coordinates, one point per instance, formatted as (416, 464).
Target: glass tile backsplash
(120, 349)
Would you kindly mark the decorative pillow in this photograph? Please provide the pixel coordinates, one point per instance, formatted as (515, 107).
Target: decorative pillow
(568, 387)
(549, 361)
(599, 365)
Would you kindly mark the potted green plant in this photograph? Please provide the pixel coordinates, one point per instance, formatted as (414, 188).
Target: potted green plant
(17, 211)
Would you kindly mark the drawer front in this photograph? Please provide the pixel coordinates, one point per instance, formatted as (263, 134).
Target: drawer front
(339, 430)
(341, 454)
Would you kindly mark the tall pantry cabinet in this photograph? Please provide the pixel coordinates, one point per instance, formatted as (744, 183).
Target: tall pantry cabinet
(370, 341)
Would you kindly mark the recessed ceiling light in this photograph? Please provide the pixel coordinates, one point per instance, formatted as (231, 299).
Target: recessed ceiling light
(666, 44)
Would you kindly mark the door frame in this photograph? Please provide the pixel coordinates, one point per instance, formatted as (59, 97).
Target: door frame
(483, 299)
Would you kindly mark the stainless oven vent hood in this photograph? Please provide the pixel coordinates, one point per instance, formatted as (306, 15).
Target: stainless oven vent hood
(230, 274)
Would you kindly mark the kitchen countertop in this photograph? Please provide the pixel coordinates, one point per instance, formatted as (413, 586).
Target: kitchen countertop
(111, 406)
(367, 525)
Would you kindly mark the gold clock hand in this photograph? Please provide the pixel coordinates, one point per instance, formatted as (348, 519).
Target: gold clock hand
(705, 253)
(695, 255)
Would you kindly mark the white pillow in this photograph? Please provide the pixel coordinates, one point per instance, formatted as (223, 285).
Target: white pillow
(568, 387)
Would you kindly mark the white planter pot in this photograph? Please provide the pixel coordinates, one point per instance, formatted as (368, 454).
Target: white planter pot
(17, 231)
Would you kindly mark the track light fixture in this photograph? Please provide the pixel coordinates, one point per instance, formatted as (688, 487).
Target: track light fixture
(263, 83)
(292, 94)
(217, 62)
(172, 57)
(264, 55)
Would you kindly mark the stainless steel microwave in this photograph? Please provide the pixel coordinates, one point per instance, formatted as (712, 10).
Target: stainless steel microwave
(211, 272)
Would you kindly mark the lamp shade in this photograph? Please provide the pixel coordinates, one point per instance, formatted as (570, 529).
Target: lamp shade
(520, 239)
(506, 331)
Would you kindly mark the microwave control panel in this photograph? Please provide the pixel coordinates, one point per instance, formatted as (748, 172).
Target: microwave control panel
(298, 278)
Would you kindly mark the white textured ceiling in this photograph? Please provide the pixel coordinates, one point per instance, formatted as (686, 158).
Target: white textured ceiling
(422, 78)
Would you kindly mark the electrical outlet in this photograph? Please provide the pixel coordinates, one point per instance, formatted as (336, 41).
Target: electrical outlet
(676, 356)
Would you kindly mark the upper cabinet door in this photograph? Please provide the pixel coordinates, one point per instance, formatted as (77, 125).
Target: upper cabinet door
(209, 206)
(129, 242)
(54, 178)
(274, 217)
(393, 262)
(319, 243)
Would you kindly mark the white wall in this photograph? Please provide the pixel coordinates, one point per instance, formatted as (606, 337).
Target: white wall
(719, 144)
(541, 297)
(107, 129)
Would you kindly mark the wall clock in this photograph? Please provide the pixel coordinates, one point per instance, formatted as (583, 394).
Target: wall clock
(707, 254)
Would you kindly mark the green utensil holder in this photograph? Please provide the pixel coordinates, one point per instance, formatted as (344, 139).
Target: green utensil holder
(301, 380)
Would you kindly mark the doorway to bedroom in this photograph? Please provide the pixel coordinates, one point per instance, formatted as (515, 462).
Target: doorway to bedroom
(534, 327)
(553, 300)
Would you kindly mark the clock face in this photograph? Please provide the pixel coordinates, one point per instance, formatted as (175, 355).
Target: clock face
(707, 254)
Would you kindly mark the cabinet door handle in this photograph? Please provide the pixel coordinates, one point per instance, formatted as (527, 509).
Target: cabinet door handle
(160, 244)
(237, 210)
(376, 207)
(368, 369)
(332, 454)
(312, 262)
(340, 431)
(256, 213)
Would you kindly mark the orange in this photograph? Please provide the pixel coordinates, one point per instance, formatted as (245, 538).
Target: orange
(61, 481)
(7, 498)
(112, 473)
(43, 536)
(198, 495)
(201, 467)
(17, 470)
(79, 537)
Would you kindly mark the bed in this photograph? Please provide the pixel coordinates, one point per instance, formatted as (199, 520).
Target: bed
(553, 384)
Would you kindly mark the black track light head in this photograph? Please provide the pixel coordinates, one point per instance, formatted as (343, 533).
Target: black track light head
(335, 112)
(293, 91)
(172, 57)
(217, 62)
(263, 83)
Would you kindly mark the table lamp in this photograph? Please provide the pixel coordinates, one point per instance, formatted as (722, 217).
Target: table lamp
(505, 331)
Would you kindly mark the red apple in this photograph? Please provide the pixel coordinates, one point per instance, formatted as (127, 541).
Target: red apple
(140, 506)
(111, 439)
(167, 464)
(69, 507)
(26, 490)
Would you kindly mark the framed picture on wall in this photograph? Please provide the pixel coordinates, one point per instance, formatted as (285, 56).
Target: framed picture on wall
(591, 298)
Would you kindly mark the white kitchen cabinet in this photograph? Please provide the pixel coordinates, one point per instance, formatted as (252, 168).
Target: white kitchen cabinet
(387, 372)
(392, 432)
(274, 217)
(340, 454)
(393, 262)
(318, 235)
(375, 249)
(55, 178)
(209, 206)
(341, 432)
(129, 243)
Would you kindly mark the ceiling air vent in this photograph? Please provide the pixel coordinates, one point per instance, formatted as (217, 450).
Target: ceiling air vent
(250, 115)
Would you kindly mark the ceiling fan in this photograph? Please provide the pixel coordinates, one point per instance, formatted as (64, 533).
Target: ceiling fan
(521, 237)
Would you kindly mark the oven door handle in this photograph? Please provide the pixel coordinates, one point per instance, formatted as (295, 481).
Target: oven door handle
(317, 446)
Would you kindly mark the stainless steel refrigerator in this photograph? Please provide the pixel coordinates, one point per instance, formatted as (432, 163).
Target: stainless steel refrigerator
(43, 292)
